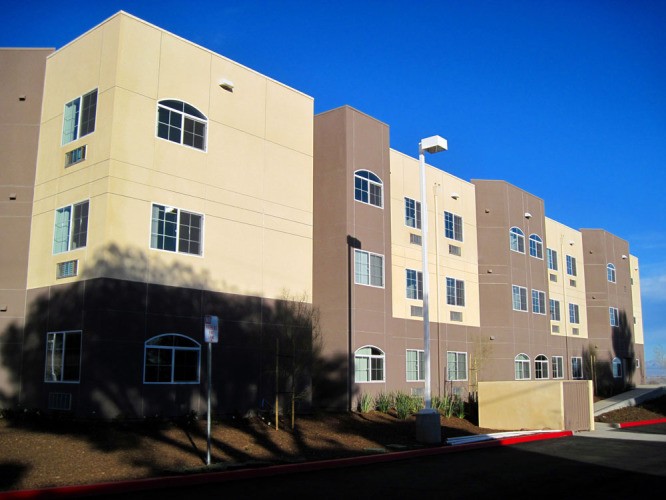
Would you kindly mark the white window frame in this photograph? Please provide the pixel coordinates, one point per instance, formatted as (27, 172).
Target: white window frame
(456, 366)
(158, 239)
(365, 269)
(536, 246)
(614, 316)
(555, 310)
(552, 259)
(611, 273)
(616, 365)
(538, 302)
(571, 266)
(522, 367)
(412, 213)
(455, 292)
(453, 226)
(66, 235)
(375, 367)
(576, 367)
(541, 367)
(574, 314)
(415, 365)
(76, 122)
(517, 240)
(194, 346)
(520, 293)
(54, 368)
(368, 185)
(558, 367)
(188, 114)
(414, 284)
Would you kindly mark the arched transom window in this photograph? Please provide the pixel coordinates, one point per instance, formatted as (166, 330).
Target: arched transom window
(171, 358)
(369, 364)
(180, 122)
(517, 240)
(368, 188)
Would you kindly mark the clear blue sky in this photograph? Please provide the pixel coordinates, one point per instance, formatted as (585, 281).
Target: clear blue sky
(563, 98)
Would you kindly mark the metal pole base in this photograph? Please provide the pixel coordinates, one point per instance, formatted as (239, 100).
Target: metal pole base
(428, 428)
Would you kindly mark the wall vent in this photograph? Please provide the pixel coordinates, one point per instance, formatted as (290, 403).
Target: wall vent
(60, 401)
(553, 278)
(456, 316)
(415, 239)
(75, 156)
(455, 250)
(555, 328)
(575, 331)
(67, 269)
(417, 311)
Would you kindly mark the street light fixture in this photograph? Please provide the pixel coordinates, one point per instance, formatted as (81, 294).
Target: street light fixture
(427, 420)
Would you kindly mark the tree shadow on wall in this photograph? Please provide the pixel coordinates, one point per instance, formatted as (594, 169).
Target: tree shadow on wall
(125, 298)
(600, 364)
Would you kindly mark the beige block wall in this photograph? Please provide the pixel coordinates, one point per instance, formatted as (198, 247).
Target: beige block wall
(253, 184)
(567, 241)
(405, 182)
(521, 405)
(636, 300)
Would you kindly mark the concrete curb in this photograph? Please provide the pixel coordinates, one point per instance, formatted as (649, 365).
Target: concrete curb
(639, 423)
(88, 490)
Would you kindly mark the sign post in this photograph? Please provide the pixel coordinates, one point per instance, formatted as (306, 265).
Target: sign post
(211, 334)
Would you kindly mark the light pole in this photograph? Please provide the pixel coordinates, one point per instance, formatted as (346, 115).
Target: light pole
(427, 420)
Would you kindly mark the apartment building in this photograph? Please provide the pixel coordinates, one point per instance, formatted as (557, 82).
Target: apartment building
(172, 184)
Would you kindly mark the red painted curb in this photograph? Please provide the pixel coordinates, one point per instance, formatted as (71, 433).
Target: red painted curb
(642, 422)
(273, 470)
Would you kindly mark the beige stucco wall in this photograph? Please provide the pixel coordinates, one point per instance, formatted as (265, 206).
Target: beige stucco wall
(405, 182)
(521, 405)
(253, 184)
(566, 241)
(636, 299)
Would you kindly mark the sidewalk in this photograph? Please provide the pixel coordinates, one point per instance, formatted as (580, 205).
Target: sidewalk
(634, 397)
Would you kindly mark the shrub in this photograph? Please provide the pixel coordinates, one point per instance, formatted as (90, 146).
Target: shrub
(384, 402)
(366, 403)
(403, 405)
(460, 408)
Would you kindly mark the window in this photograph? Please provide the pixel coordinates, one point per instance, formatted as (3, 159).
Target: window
(176, 230)
(571, 265)
(171, 358)
(179, 122)
(558, 367)
(577, 367)
(75, 155)
(517, 240)
(574, 316)
(67, 269)
(552, 259)
(455, 292)
(79, 117)
(554, 310)
(456, 365)
(369, 365)
(453, 228)
(614, 316)
(522, 366)
(414, 284)
(538, 302)
(368, 188)
(541, 367)
(617, 368)
(63, 357)
(519, 298)
(412, 213)
(71, 227)
(610, 271)
(368, 268)
(536, 246)
(415, 365)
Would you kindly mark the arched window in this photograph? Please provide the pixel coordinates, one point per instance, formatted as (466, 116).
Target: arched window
(179, 122)
(368, 188)
(522, 365)
(617, 367)
(369, 365)
(517, 240)
(536, 246)
(610, 271)
(171, 358)
(541, 367)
